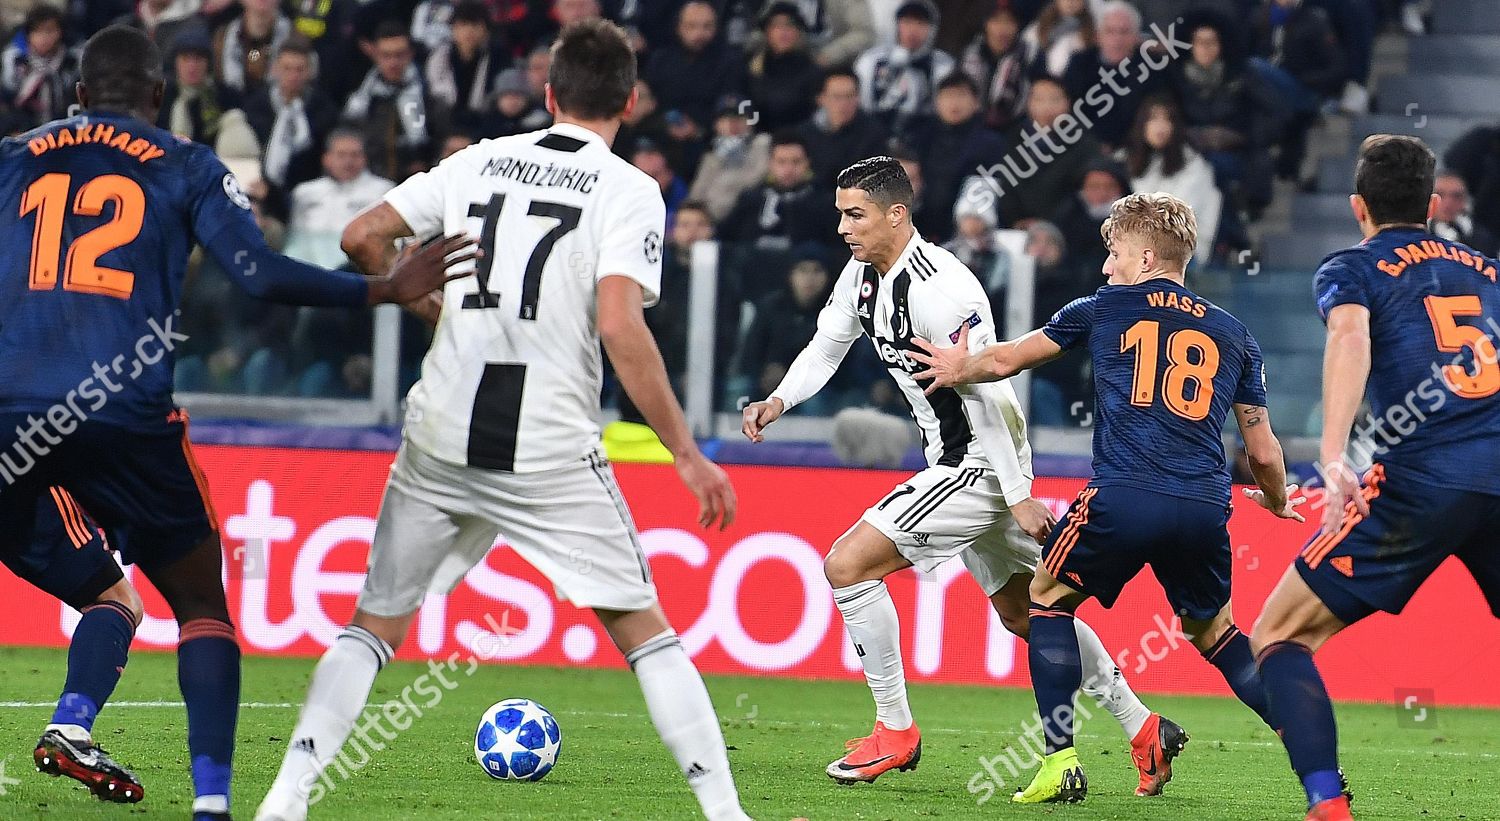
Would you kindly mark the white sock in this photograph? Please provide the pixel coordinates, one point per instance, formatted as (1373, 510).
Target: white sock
(685, 718)
(1106, 684)
(870, 617)
(72, 732)
(336, 696)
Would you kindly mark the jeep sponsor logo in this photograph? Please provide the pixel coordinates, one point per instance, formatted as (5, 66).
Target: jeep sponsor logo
(894, 356)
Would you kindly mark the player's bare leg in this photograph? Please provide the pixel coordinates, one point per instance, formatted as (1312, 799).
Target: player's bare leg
(1295, 624)
(208, 669)
(1056, 674)
(856, 569)
(336, 696)
(679, 705)
(96, 657)
(1154, 739)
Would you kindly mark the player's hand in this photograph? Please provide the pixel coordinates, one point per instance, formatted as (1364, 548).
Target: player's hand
(420, 271)
(945, 366)
(758, 416)
(1287, 510)
(1340, 489)
(1035, 518)
(708, 482)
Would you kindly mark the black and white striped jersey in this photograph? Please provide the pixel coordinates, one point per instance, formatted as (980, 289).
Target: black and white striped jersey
(927, 293)
(512, 379)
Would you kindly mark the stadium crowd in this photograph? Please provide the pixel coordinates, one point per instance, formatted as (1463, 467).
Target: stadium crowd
(1026, 114)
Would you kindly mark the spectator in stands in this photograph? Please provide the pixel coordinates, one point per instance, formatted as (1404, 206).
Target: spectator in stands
(648, 157)
(782, 78)
(393, 106)
(787, 208)
(977, 243)
(245, 47)
(784, 323)
(1064, 28)
(838, 31)
(1159, 159)
(322, 208)
(736, 162)
(1453, 219)
(195, 103)
(1059, 279)
(956, 146)
(38, 70)
(166, 20)
(461, 72)
(1476, 158)
(691, 75)
(1035, 181)
(1119, 40)
(511, 109)
(291, 117)
(1083, 214)
(331, 28)
(456, 141)
(1225, 113)
(1297, 54)
(645, 120)
(897, 80)
(839, 134)
(996, 61)
(432, 24)
(689, 225)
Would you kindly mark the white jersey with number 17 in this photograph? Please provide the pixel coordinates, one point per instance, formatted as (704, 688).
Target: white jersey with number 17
(512, 379)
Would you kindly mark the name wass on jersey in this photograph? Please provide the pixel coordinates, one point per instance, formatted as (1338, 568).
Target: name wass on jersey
(512, 379)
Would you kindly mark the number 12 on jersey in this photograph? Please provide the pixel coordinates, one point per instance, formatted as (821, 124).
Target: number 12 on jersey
(567, 217)
(1191, 356)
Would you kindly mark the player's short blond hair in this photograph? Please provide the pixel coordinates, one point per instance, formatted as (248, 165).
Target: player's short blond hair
(1160, 221)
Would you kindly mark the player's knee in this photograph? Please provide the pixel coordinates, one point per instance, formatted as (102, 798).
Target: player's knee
(123, 594)
(840, 568)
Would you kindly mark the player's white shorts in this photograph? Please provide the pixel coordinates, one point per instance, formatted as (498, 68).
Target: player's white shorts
(944, 511)
(438, 520)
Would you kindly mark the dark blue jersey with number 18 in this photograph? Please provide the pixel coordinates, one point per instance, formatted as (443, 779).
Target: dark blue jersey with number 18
(1167, 367)
(97, 216)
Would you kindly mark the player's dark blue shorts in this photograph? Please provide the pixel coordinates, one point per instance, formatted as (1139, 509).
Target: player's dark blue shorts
(140, 483)
(1378, 562)
(1111, 532)
(62, 551)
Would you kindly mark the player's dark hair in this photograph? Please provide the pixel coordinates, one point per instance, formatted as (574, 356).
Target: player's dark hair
(593, 70)
(121, 69)
(882, 178)
(1395, 175)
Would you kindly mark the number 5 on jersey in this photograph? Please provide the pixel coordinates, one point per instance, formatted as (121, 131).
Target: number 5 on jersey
(567, 217)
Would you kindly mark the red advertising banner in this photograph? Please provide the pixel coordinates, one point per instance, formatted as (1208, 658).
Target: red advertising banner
(297, 526)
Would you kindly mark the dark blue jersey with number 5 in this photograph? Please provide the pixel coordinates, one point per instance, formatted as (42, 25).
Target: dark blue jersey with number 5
(97, 216)
(1168, 365)
(1434, 376)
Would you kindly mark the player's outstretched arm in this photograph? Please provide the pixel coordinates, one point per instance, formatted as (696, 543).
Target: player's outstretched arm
(1346, 367)
(949, 367)
(370, 241)
(808, 373)
(637, 361)
(1266, 463)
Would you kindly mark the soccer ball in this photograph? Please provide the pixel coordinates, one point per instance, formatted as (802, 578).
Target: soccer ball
(517, 740)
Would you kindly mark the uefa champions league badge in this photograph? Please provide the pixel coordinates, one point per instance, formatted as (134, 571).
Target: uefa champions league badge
(972, 321)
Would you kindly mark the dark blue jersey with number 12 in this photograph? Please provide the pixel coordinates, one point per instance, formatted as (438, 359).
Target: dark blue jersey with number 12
(1167, 367)
(97, 216)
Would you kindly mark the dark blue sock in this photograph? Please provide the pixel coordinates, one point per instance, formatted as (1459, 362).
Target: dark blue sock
(1056, 672)
(1302, 713)
(1231, 654)
(208, 671)
(96, 658)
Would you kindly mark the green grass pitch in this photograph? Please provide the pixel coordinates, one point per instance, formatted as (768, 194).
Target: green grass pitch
(781, 733)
